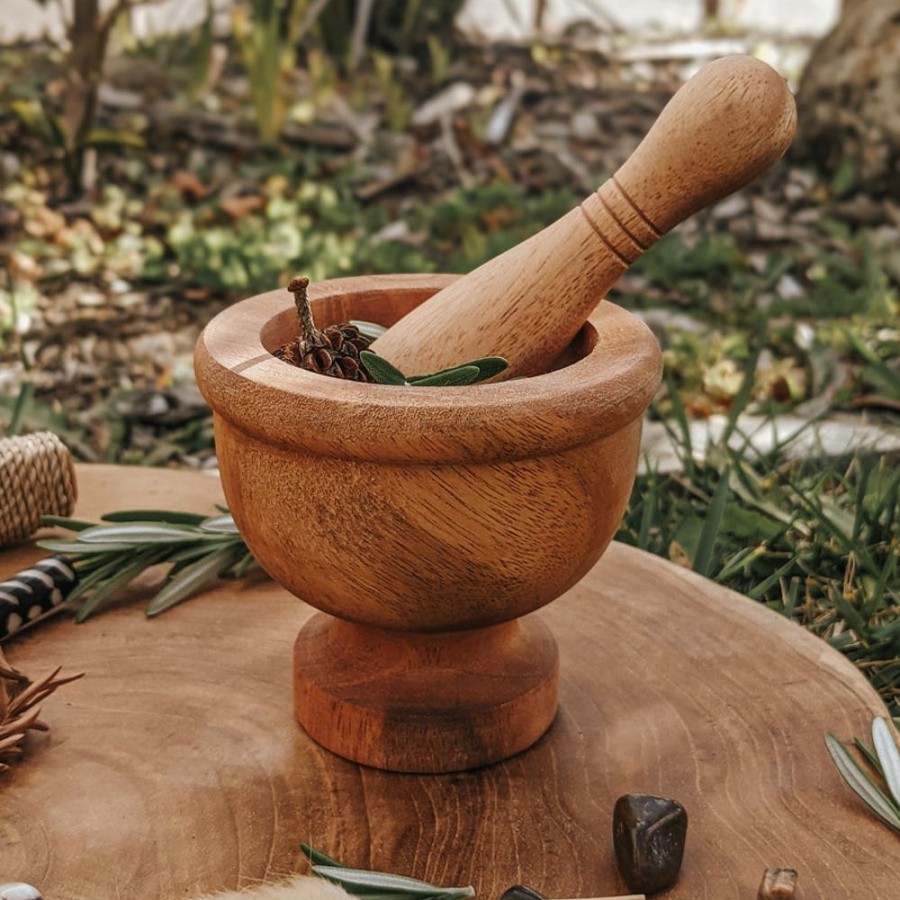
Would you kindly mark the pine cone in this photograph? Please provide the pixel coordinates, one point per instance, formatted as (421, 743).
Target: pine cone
(332, 351)
(335, 353)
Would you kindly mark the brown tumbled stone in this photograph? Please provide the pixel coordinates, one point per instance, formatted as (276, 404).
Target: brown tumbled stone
(778, 884)
(649, 835)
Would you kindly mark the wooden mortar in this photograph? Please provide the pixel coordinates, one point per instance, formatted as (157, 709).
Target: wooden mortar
(425, 523)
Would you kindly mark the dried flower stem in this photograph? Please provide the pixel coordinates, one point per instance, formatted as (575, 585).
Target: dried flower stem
(299, 287)
(19, 710)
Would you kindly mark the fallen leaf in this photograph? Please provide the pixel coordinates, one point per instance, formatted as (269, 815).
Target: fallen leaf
(23, 267)
(191, 187)
(44, 222)
(241, 207)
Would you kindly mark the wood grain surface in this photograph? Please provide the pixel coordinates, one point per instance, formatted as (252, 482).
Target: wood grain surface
(733, 120)
(425, 702)
(175, 765)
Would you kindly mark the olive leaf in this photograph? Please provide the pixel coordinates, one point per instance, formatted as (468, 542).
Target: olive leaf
(459, 375)
(382, 372)
(170, 516)
(883, 799)
(488, 367)
(379, 885)
(108, 557)
(192, 578)
(219, 525)
(140, 533)
(888, 755)
(380, 369)
(318, 858)
(371, 330)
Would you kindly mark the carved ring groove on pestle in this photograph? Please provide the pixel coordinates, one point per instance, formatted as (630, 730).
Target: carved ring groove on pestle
(619, 223)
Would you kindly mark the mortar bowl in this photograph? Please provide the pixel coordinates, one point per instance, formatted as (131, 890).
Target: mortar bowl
(426, 524)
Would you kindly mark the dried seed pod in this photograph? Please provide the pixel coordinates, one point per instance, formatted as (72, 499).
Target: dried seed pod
(333, 350)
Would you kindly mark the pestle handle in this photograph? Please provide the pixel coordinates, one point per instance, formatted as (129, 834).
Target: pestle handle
(724, 127)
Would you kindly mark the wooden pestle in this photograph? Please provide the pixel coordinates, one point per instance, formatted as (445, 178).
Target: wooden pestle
(724, 127)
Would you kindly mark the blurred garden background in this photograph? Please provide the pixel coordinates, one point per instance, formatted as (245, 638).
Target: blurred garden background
(161, 160)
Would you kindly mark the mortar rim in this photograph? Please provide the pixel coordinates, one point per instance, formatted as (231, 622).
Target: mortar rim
(279, 404)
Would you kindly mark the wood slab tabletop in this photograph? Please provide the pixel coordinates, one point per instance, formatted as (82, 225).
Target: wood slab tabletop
(175, 766)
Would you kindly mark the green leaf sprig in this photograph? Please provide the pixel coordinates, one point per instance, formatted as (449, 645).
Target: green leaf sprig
(379, 885)
(877, 783)
(382, 372)
(110, 556)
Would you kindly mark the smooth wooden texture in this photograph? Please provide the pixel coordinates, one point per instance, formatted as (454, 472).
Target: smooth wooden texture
(614, 375)
(425, 703)
(175, 765)
(726, 126)
(424, 510)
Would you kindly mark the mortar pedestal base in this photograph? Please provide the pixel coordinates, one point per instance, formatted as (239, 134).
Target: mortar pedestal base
(411, 702)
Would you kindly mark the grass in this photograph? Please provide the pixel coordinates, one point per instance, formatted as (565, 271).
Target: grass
(817, 541)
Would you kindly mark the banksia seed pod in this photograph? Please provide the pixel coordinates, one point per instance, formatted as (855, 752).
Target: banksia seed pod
(333, 350)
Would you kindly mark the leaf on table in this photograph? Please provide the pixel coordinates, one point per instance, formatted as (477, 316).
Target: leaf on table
(364, 882)
(170, 516)
(861, 784)
(204, 572)
(220, 525)
(888, 756)
(142, 533)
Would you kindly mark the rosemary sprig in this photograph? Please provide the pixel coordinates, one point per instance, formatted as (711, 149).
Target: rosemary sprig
(383, 372)
(379, 885)
(879, 786)
(108, 557)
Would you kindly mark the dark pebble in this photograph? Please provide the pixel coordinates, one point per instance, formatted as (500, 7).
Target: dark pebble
(520, 892)
(648, 835)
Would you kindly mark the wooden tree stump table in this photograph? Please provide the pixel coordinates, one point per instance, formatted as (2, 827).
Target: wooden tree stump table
(175, 766)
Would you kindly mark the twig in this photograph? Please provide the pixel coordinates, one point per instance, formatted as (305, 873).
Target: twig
(451, 148)
(312, 14)
(360, 31)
